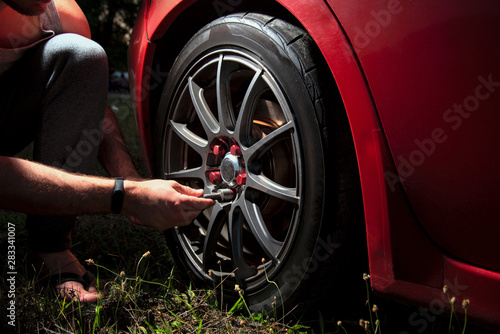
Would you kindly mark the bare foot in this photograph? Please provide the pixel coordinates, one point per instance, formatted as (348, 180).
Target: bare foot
(61, 263)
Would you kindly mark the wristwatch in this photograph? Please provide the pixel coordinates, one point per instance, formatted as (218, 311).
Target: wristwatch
(118, 196)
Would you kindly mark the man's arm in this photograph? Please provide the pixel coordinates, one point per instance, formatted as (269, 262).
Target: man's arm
(113, 153)
(34, 188)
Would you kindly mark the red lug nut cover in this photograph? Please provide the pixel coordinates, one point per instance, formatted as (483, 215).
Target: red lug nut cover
(219, 150)
(241, 179)
(214, 177)
(235, 150)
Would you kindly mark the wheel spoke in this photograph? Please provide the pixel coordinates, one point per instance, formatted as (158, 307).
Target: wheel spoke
(243, 270)
(271, 188)
(215, 225)
(254, 219)
(195, 142)
(244, 123)
(184, 174)
(260, 147)
(207, 119)
(224, 102)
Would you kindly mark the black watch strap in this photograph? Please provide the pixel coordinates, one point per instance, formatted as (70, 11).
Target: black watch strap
(118, 196)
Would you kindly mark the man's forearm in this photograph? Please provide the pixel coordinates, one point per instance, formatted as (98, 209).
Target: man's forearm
(113, 153)
(34, 188)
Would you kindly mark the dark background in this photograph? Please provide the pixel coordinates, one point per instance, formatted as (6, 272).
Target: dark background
(111, 23)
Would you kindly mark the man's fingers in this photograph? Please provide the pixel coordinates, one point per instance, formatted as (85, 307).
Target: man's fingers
(187, 190)
(192, 203)
(90, 297)
(169, 204)
(191, 197)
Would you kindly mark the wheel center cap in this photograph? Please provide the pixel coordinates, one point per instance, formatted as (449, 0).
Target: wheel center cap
(230, 169)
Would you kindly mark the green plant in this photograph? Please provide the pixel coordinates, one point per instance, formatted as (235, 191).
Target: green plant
(279, 291)
(370, 326)
(453, 313)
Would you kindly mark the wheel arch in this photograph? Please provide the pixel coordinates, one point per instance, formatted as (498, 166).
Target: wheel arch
(171, 25)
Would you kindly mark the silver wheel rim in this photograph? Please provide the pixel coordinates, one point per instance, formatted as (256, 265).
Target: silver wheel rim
(229, 99)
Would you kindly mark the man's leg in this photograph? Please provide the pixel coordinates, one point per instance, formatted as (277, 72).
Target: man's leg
(56, 96)
(69, 129)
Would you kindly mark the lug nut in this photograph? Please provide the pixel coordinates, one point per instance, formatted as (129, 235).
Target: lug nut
(235, 150)
(219, 150)
(215, 177)
(241, 179)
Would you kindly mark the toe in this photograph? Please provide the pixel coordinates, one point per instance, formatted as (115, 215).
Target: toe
(90, 297)
(76, 291)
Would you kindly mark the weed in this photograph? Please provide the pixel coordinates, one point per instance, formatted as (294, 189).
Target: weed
(465, 305)
(340, 327)
(453, 313)
(279, 291)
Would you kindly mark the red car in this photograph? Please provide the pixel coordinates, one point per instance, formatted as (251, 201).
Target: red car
(335, 131)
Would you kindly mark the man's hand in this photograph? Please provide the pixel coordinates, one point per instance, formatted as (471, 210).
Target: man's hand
(163, 204)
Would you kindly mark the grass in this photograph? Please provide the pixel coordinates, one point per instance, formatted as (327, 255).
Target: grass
(135, 271)
(142, 292)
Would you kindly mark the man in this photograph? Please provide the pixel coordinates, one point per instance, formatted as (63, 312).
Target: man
(53, 91)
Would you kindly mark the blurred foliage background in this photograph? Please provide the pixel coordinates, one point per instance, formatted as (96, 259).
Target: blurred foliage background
(111, 23)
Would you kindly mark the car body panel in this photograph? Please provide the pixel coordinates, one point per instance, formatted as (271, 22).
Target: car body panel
(397, 86)
(433, 70)
(140, 54)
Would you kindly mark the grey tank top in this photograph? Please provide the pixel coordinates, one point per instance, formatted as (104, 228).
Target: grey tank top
(51, 25)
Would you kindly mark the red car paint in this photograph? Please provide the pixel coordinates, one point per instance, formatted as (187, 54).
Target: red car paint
(420, 81)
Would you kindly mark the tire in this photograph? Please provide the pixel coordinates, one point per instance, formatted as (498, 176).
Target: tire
(245, 99)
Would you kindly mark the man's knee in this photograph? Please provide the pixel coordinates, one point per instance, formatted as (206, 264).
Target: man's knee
(80, 54)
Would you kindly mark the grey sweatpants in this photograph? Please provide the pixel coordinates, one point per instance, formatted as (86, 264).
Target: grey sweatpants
(55, 96)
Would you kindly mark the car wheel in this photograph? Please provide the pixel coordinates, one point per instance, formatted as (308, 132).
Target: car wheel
(244, 110)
